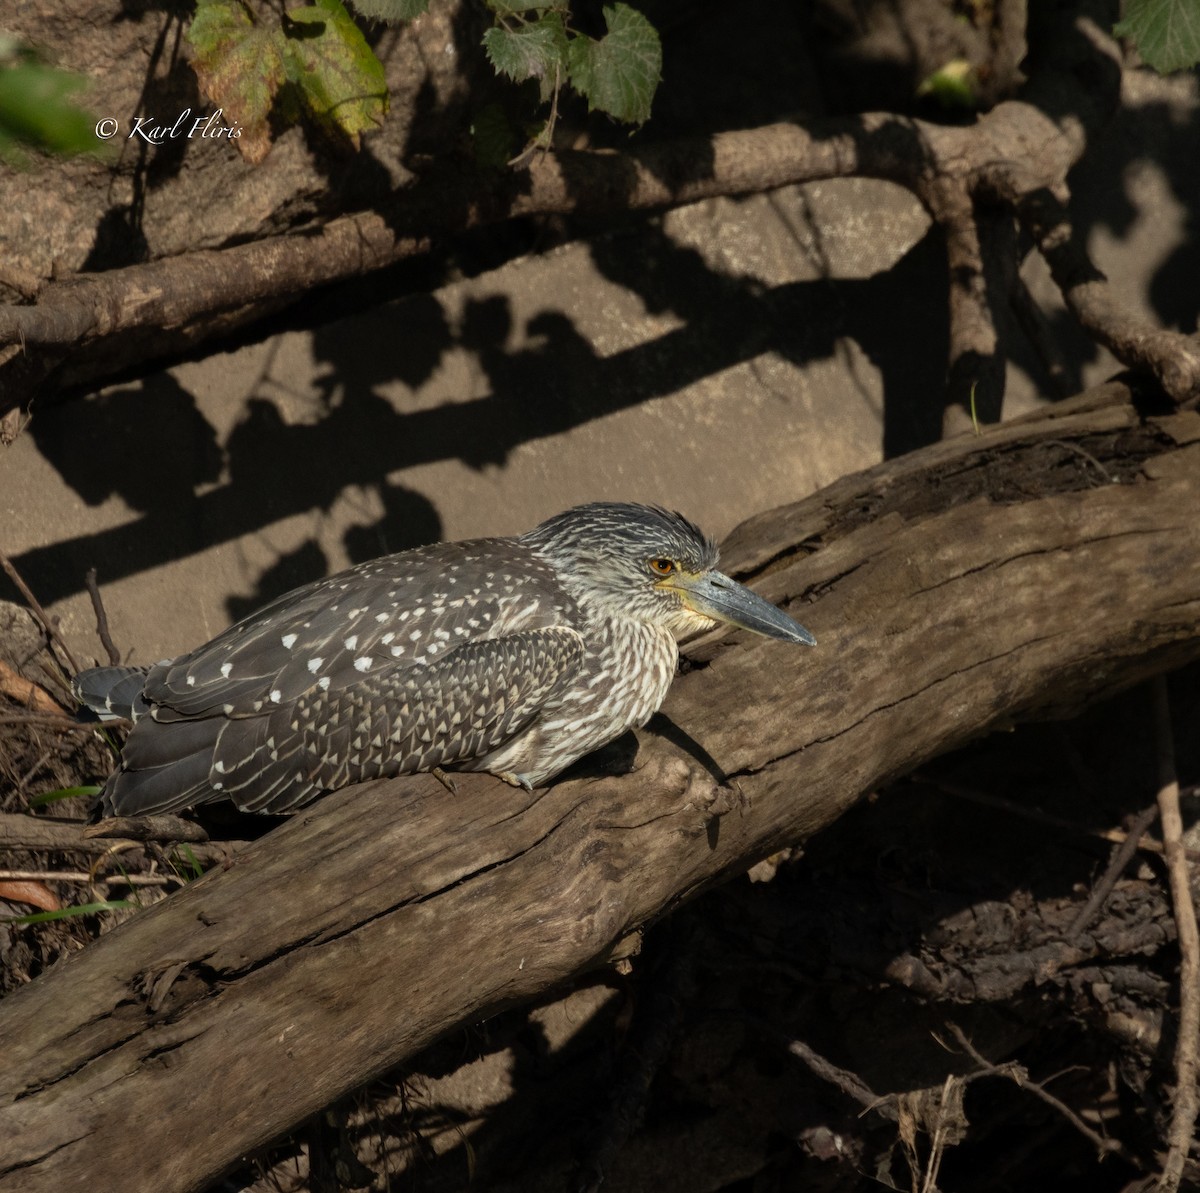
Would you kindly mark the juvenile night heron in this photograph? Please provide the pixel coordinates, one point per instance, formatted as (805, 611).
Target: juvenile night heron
(514, 656)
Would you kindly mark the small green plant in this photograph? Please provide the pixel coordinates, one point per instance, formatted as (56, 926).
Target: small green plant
(317, 63)
(91, 790)
(64, 913)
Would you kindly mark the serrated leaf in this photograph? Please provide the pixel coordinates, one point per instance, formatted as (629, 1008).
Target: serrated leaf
(35, 110)
(340, 80)
(492, 136)
(510, 8)
(530, 51)
(619, 73)
(240, 67)
(391, 11)
(1166, 32)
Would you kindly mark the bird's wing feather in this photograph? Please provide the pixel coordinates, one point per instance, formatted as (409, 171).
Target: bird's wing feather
(409, 608)
(396, 720)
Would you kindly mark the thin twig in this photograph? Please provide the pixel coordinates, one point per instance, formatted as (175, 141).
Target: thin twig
(163, 827)
(1116, 867)
(849, 1083)
(91, 879)
(62, 724)
(1019, 1074)
(114, 655)
(38, 612)
(1183, 1115)
(1116, 835)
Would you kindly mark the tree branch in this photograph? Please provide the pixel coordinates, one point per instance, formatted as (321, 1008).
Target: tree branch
(953, 590)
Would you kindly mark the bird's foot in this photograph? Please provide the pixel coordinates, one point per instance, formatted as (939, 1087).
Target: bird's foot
(514, 780)
(446, 781)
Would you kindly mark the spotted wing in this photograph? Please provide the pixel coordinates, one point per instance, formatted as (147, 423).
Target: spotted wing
(414, 607)
(395, 721)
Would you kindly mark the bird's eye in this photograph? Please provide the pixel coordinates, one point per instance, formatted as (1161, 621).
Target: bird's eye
(662, 567)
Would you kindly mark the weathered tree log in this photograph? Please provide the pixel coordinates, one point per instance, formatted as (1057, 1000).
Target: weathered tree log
(1016, 574)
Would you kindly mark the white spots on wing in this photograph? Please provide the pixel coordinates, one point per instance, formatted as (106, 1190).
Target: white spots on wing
(217, 786)
(352, 642)
(387, 638)
(415, 635)
(397, 651)
(276, 695)
(363, 663)
(314, 665)
(191, 681)
(382, 617)
(226, 668)
(432, 648)
(227, 709)
(288, 640)
(219, 767)
(444, 635)
(323, 683)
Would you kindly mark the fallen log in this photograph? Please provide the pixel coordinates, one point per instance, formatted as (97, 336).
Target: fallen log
(1020, 573)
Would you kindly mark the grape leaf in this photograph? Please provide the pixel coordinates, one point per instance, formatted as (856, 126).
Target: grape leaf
(508, 8)
(340, 80)
(619, 73)
(1166, 32)
(391, 11)
(240, 67)
(492, 135)
(530, 51)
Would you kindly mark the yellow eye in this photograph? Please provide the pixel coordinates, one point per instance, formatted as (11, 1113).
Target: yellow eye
(662, 567)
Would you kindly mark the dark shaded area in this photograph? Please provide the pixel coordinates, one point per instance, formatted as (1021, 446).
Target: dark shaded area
(682, 1078)
(273, 469)
(155, 449)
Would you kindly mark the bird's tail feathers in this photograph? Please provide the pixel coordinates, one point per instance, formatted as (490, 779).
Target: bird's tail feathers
(112, 692)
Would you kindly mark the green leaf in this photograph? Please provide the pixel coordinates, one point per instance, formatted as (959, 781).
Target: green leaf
(391, 11)
(619, 73)
(509, 8)
(530, 51)
(952, 85)
(1166, 32)
(63, 913)
(340, 80)
(90, 789)
(492, 135)
(240, 67)
(35, 110)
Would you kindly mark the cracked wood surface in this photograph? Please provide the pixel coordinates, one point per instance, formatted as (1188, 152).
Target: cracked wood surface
(953, 591)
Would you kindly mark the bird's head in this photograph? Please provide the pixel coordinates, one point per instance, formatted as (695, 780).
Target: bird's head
(647, 563)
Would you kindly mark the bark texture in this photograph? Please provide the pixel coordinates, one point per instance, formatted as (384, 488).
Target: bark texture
(986, 579)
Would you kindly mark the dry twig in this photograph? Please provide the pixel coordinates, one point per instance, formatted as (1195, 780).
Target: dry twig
(114, 655)
(38, 612)
(1020, 1075)
(1116, 867)
(1183, 1117)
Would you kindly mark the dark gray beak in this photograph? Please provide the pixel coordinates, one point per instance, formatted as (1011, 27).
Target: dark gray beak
(716, 595)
